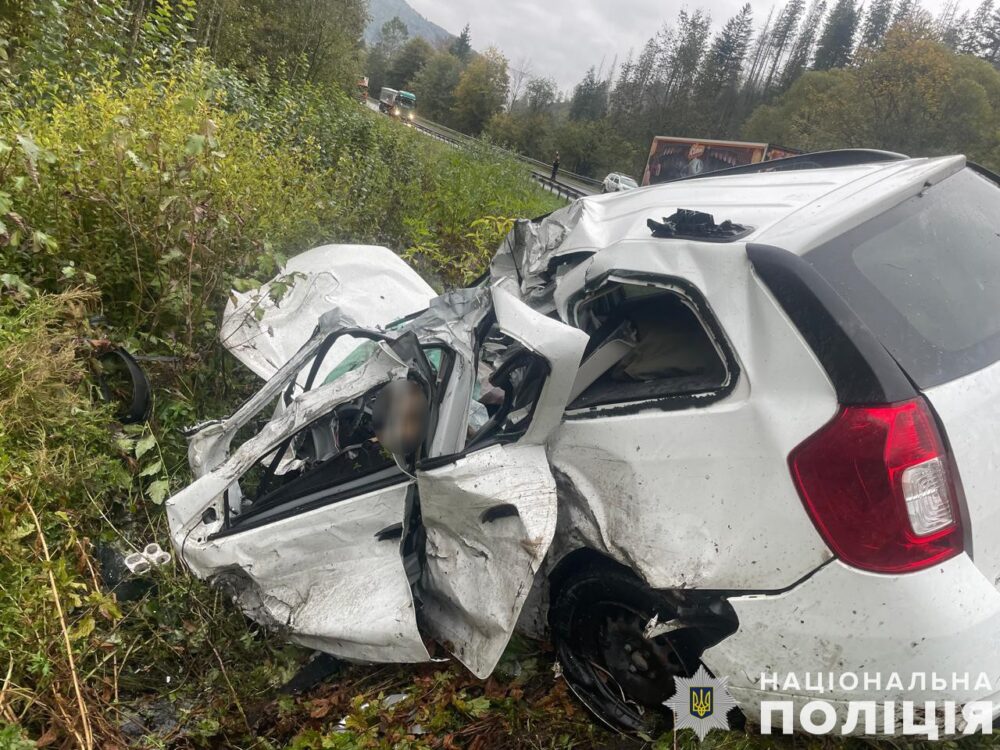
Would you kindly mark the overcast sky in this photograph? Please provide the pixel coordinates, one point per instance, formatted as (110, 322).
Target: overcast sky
(563, 38)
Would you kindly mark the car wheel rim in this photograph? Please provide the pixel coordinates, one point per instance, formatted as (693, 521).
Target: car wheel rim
(619, 674)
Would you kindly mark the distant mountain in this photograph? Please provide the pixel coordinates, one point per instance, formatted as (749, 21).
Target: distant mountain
(385, 10)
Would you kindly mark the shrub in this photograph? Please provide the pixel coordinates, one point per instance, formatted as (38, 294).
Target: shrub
(166, 194)
(131, 208)
(57, 463)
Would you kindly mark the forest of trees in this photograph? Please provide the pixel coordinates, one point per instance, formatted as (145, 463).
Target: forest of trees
(300, 41)
(810, 75)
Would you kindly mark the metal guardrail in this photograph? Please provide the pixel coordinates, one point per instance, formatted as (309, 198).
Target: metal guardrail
(540, 171)
(559, 188)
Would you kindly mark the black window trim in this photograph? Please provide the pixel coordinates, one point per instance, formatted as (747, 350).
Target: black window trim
(861, 370)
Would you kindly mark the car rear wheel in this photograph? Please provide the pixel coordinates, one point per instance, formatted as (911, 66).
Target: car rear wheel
(598, 618)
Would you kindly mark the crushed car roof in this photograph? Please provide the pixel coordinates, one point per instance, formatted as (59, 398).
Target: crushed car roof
(545, 261)
(776, 204)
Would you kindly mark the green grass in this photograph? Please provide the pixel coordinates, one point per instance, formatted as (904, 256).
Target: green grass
(129, 207)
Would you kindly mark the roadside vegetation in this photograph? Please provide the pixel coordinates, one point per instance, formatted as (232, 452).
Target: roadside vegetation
(154, 156)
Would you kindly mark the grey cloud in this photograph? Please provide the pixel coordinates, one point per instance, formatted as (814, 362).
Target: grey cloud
(563, 38)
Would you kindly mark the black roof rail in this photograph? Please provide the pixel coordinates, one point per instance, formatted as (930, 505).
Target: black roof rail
(847, 157)
(989, 174)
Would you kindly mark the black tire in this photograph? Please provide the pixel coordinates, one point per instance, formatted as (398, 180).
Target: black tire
(597, 618)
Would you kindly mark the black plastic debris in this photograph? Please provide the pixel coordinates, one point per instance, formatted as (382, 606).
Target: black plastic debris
(318, 669)
(698, 225)
(121, 381)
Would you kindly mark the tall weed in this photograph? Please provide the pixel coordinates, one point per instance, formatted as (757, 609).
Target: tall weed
(129, 205)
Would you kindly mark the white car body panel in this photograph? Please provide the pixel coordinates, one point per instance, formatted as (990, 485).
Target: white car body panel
(702, 497)
(944, 620)
(321, 576)
(479, 571)
(795, 210)
(856, 201)
(368, 284)
(969, 409)
(324, 578)
(561, 345)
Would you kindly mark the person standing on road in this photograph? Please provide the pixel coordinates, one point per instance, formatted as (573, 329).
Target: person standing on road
(555, 167)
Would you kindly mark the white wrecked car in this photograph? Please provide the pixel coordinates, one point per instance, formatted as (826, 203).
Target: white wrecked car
(762, 443)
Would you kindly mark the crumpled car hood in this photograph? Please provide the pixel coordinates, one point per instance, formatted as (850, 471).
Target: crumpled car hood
(371, 285)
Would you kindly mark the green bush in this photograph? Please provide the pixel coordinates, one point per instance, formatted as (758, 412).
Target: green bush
(167, 191)
(129, 207)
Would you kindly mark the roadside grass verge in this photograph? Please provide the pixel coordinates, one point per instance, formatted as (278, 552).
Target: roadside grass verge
(128, 210)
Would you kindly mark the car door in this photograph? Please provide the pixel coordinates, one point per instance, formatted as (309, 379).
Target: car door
(321, 562)
(489, 514)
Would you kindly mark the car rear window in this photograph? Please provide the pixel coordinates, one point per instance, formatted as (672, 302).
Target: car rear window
(925, 278)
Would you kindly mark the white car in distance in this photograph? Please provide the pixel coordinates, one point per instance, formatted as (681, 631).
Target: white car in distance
(617, 182)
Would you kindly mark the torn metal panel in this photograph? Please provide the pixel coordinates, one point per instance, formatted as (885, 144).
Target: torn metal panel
(324, 578)
(330, 577)
(559, 344)
(522, 263)
(371, 285)
(452, 321)
(489, 518)
(186, 509)
(208, 442)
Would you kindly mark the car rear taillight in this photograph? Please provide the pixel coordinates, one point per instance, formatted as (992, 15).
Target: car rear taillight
(879, 486)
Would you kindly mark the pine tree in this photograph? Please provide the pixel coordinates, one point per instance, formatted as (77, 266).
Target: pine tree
(632, 91)
(877, 22)
(461, 47)
(837, 38)
(805, 43)
(590, 98)
(757, 60)
(950, 25)
(719, 77)
(684, 55)
(905, 11)
(990, 45)
(974, 39)
(781, 38)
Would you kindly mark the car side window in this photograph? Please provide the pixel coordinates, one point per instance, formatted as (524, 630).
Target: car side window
(338, 452)
(509, 379)
(648, 342)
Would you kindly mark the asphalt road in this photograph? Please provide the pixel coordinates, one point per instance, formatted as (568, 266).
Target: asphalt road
(567, 185)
